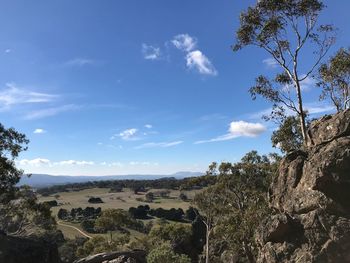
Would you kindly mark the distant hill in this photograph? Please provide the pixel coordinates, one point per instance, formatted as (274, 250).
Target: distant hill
(42, 180)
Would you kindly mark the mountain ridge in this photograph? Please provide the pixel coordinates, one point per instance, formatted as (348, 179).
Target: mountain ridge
(44, 180)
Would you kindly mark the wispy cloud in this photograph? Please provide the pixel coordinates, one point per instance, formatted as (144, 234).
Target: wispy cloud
(314, 108)
(148, 126)
(197, 60)
(150, 52)
(8, 50)
(184, 42)
(13, 95)
(74, 162)
(47, 112)
(127, 135)
(80, 62)
(238, 129)
(39, 131)
(158, 144)
(35, 162)
(270, 62)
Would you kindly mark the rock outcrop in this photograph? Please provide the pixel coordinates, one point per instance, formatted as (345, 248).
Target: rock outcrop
(19, 250)
(135, 256)
(311, 196)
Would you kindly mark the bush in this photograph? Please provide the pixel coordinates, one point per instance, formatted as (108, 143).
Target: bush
(164, 253)
(95, 200)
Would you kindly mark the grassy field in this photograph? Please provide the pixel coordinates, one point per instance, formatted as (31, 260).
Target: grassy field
(123, 200)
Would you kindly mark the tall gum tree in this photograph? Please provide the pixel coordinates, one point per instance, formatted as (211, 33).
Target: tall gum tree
(283, 28)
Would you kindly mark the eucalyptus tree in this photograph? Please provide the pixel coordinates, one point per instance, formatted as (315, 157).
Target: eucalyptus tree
(283, 28)
(334, 79)
(12, 143)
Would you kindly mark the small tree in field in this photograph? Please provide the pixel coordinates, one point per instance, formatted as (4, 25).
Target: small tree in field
(283, 28)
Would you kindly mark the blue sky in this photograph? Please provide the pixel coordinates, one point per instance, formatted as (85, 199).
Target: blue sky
(121, 87)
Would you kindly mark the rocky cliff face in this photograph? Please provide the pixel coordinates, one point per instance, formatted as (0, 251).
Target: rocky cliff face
(311, 195)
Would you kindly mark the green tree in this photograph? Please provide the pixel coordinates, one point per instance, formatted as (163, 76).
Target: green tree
(211, 203)
(283, 28)
(11, 144)
(288, 136)
(334, 79)
(235, 205)
(165, 254)
(111, 220)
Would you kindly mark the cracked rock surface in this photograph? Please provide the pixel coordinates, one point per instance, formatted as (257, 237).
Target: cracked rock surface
(312, 196)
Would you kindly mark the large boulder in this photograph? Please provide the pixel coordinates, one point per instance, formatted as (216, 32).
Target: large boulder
(311, 195)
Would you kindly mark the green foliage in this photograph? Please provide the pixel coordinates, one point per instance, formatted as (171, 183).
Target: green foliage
(334, 79)
(11, 144)
(165, 254)
(288, 137)
(111, 220)
(99, 244)
(174, 233)
(233, 207)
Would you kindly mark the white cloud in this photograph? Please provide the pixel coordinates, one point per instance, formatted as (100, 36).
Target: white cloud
(238, 129)
(118, 164)
(127, 135)
(184, 42)
(74, 162)
(247, 129)
(8, 50)
(38, 114)
(38, 131)
(150, 52)
(197, 60)
(14, 95)
(35, 162)
(270, 63)
(80, 62)
(158, 144)
(148, 126)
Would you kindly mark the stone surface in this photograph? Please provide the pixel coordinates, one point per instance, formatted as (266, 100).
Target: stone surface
(135, 256)
(312, 196)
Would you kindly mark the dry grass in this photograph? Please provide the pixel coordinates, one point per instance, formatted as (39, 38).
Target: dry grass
(123, 200)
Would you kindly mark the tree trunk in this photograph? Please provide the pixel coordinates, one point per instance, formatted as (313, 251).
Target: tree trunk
(301, 112)
(207, 245)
